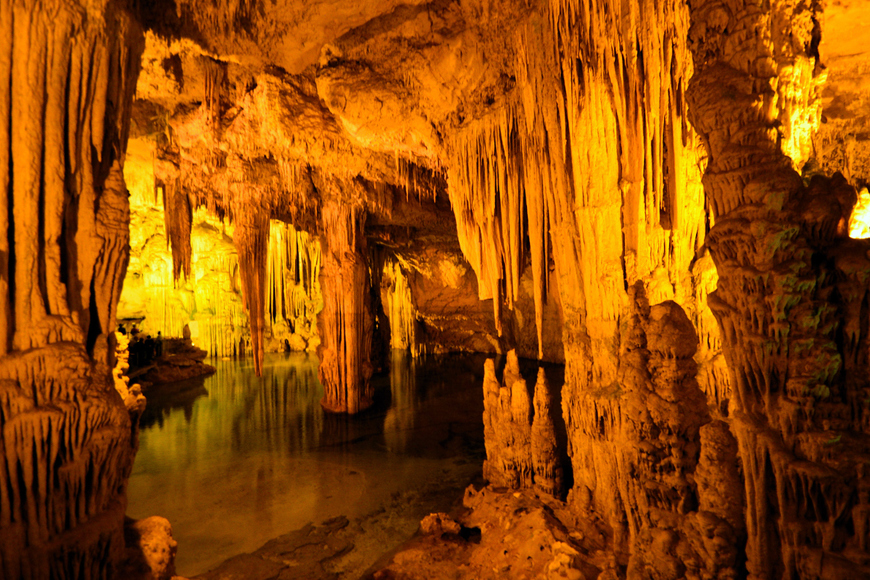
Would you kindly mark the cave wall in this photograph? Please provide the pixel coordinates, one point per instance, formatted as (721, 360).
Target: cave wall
(67, 76)
(208, 298)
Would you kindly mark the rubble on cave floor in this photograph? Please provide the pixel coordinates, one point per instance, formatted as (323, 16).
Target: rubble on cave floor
(505, 534)
(495, 533)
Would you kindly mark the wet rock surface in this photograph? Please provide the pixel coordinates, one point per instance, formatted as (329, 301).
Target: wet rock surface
(338, 548)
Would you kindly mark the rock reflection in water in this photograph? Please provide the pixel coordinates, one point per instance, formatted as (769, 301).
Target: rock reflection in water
(237, 460)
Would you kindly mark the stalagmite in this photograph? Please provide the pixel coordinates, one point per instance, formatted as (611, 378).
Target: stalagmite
(520, 438)
(545, 455)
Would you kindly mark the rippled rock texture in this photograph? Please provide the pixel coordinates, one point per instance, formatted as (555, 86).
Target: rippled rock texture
(67, 76)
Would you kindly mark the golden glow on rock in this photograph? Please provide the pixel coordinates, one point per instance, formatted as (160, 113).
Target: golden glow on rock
(859, 221)
(210, 300)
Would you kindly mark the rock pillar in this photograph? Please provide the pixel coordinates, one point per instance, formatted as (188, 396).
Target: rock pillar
(67, 75)
(791, 286)
(345, 323)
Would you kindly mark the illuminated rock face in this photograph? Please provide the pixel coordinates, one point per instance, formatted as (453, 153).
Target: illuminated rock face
(209, 298)
(791, 284)
(67, 76)
(520, 436)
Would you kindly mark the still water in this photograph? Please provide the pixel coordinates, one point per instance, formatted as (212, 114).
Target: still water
(233, 460)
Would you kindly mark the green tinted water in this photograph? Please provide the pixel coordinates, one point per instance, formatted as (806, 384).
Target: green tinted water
(233, 460)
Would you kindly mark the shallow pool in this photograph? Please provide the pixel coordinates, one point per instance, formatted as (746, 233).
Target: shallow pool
(233, 460)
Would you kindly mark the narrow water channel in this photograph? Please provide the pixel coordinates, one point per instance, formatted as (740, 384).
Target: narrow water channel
(234, 460)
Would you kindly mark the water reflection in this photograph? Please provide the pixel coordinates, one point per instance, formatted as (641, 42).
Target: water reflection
(235, 459)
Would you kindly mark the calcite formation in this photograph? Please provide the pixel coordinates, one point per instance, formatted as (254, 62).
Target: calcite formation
(67, 76)
(209, 298)
(520, 438)
(662, 194)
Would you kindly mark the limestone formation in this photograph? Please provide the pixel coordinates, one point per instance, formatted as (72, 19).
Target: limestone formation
(345, 322)
(786, 292)
(520, 439)
(150, 550)
(67, 76)
(546, 461)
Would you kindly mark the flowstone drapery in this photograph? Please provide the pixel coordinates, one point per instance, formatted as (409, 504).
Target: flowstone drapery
(67, 76)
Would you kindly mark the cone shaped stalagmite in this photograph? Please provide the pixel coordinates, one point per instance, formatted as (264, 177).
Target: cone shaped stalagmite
(545, 454)
(520, 438)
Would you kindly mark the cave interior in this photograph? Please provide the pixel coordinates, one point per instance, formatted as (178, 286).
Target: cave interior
(667, 197)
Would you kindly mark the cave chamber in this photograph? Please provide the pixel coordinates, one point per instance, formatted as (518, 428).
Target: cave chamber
(666, 197)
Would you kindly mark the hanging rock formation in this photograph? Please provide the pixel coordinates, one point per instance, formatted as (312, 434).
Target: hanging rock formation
(345, 322)
(251, 238)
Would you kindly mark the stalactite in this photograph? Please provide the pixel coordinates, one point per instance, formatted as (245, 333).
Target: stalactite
(211, 102)
(251, 238)
(178, 214)
(544, 165)
(345, 323)
(293, 296)
(399, 306)
(219, 17)
(418, 180)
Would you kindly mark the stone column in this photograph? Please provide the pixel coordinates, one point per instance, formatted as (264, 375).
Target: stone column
(67, 75)
(345, 323)
(790, 282)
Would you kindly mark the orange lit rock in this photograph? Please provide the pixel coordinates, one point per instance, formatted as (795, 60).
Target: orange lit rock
(520, 438)
(151, 550)
(345, 322)
(67, 76)
(786, 292)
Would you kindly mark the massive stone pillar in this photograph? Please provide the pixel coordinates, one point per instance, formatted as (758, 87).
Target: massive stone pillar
(67, 75)
(792, 292)
(345, 323)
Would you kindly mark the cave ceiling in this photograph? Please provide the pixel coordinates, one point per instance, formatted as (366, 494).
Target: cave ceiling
(357, 92)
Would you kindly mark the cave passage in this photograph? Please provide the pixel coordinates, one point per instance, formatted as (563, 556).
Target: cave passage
(234, 460)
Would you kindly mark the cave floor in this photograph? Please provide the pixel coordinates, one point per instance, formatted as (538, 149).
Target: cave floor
(233, 460)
